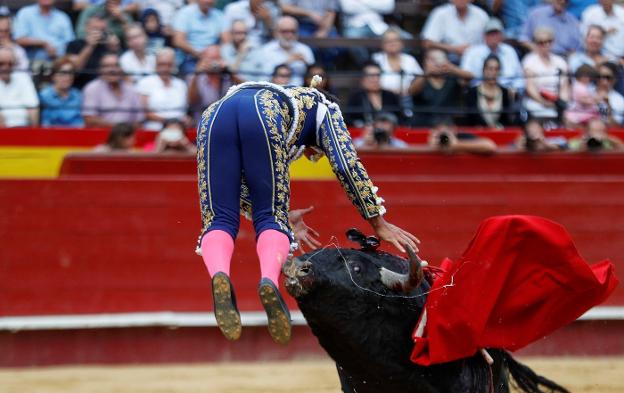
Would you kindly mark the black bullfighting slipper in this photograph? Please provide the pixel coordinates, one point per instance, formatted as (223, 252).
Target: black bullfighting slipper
(225, 310)
(276, 310)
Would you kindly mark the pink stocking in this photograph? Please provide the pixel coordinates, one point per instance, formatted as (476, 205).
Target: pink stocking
(217, 248)
(272, 248)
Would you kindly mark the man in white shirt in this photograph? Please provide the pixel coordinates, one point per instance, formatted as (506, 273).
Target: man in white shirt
(363, 18)
(259, 17)
(136, 62)
(454, 27)
(285, 49)
(511, 74)
(610, 17)
(19, 103)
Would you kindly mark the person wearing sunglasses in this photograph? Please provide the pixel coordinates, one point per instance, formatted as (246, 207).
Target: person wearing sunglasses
(611, 102)
(19, 103)
(555, 16)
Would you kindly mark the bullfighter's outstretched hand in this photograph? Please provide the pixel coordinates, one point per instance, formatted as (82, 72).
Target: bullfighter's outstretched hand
(393, 234)
(303, 233)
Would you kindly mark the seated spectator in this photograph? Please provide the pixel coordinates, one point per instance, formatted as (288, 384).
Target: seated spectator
(157, 36)
(43, 30)
(611, 105)
(60, 101)
(112, 13)
(121, 138)
(87, 53)
(533, 139)
(238, 54)
(258, 16)
(364, 18)
(583, 105)
(370, 99)
(209, 82)
(318, 69)
(513, 13)
(547, 89)
(489, 104)
(285, 48)
(7, 42)
(196, 27)
(136, 61)
(454, 27)
(172, 139)
(398, 69)
(316, 18)
(109, 99)
(164, 9)
(19, 104)
(440, 91)
(281, 75)
(445, 137)
(128, 6)
(610, 17)
(510, 75)
(163, 95)
(554, 16)
(380, 134)
(593, 53)
(596, 139)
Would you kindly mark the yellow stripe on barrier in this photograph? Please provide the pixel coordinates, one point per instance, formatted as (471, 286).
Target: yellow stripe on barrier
(304, 169)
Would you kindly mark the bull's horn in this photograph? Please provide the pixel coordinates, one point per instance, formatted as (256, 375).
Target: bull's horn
(404, 282)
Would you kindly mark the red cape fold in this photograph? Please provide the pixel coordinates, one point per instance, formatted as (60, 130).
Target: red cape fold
(520, 279)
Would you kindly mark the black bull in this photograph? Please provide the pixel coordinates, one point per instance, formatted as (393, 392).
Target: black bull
(363, 316)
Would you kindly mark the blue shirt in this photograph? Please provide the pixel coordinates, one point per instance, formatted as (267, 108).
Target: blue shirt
(201, 30)
(55, 28)
(565, 27)
(60, 111)
(514, 14)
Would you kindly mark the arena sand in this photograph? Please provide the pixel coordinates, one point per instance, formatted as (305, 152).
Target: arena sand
(580, 375)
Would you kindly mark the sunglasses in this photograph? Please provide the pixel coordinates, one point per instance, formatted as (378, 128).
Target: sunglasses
(606, 77)
(291, 31)
(544, 42)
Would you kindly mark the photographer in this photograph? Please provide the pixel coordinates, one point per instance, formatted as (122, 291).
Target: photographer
(380, 135)
(596, 139)
(445, 137)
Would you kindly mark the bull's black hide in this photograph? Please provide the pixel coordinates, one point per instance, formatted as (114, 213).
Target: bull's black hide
(366, 328)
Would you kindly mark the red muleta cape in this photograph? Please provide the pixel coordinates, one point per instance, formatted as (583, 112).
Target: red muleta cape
(520, 279)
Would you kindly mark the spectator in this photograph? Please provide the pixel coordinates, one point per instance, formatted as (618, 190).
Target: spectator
(318, 69)
(596, 139)
(7, 41)
(164, 9)
(513, 13)
(19, 104)
(439, 92)
(281, 75)
(128, 6)
(316, 18)
(285, 48)
(510, 75)
(209, 82)
(583, 105)
(163, 95)
(547, 87)
(489, 104)
(109, 99)
(593, 53)
(364, 104)
(398, 69)
(109, 10)
(136, 61)
(611, 102)
(445, 137)
(86, 53)
(533, 139)
(195, 27)
(172, 139)
(238, 54)
(554, 16)
(121, 138)
(577, 7)
(363, 18)
(454, 27)
(43, 30)
(380, 134)
(60, 101)
(258, 16)
(610, 17)
(157, 36)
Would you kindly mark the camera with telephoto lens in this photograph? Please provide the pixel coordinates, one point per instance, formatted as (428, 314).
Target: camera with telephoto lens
(381, 136)
(594, 144)
(444, 139)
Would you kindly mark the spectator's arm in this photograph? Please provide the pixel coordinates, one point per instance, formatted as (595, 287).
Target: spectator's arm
(328, 22)
(532, 91)
(33, 116)
(81, 58)
(416, 86)
(95, 121)
(180, 42)
(361, 6)
(295, 11)
(149, 114)
(458, 49)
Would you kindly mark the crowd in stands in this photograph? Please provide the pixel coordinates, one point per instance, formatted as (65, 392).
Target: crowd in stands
(156, 64)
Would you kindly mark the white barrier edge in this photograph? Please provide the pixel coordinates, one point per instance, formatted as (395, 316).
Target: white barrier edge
(192, 319)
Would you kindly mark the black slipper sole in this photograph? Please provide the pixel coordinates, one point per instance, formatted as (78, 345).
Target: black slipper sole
(278, 316)
(225, 312)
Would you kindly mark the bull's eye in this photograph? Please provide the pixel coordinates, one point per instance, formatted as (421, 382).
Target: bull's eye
(356, 268)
